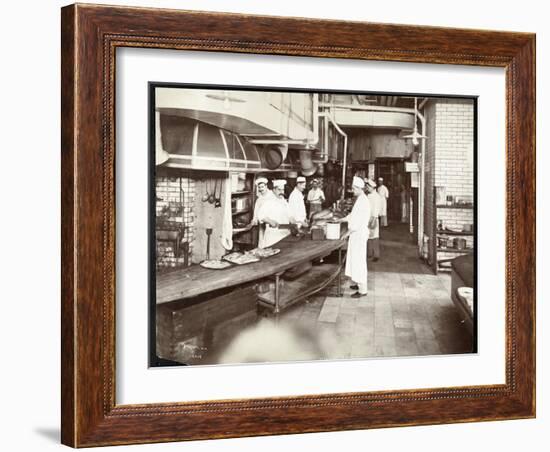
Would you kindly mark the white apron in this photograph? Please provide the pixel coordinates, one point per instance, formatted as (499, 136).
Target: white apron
(260, 201)
(273, 209)
(384, 195)
(297, 206)
(375, 203)
(358, 225)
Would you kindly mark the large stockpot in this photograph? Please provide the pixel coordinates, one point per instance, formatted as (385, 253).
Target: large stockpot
(459, 243)
(333, 230)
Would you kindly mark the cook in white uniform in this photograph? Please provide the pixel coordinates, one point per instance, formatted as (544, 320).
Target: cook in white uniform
(358, 227)
(296, 202)
(384, 194)
(375, 202)
(315, 197)
(263, 194)
(273, 212)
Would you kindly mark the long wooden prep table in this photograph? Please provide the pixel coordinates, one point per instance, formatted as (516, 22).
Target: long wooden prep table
(196, 280)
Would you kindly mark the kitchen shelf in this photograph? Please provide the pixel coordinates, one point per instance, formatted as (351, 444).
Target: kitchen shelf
(239, 212)
(454, 250)
(242, 242)
(454, 233)
(455, 206)
(240, 230)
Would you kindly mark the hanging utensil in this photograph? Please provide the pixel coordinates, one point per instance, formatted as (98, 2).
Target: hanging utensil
(206, 194)
(208, 234)
(218, 202)
(212, 197)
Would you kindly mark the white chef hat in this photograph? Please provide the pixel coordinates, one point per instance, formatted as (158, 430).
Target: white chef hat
(358, 182)
(371, 182)
(300, 179)
(280, 183)
(261, 180)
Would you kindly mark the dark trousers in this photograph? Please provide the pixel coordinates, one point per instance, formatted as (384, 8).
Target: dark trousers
(373, 248)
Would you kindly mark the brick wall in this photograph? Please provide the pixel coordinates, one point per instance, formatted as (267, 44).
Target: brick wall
(175, 198)
(449, 164)
(454, 124)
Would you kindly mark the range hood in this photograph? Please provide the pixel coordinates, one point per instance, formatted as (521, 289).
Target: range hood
(186, 143)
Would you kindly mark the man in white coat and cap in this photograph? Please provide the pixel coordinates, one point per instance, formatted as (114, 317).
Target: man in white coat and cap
(375, 201)
(358, 228)
(274, 212)
(384, 194)
(297, 204)
(263, 194)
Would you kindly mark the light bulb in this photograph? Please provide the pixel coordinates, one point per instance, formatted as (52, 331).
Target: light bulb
(415, 141)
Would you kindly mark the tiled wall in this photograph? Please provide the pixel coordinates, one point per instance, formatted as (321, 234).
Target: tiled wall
(454, 124)
(177, 208)
(449, 164)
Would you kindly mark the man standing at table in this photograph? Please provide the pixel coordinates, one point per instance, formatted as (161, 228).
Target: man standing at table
(296, 202)
(358, 228)
(274, 212)
(315, 198)
(263, 194)
(375, 202)
(384, 194)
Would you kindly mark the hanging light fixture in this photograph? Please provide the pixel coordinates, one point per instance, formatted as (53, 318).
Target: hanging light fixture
(226, 98)
(415, 136)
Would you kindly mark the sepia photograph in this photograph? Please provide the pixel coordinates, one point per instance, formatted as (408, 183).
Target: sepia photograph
(292, 225)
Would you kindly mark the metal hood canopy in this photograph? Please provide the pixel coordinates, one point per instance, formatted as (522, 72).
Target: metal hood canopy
(186, 143)
(183, 142)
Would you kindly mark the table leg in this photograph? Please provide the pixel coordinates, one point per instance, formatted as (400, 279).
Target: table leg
(277, 278)
(340, 272)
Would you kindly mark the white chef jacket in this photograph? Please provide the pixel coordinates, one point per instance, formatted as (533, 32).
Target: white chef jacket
(315, 195)
(275, 209)
(375, 203)
(297, 206)
(358, 226)
(384, 194)
(260, 201)
(268, 194)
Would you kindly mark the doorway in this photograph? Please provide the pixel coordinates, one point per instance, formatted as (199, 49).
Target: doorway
(392, 170)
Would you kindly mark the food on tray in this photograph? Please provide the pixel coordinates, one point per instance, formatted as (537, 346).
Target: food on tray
(325, 214)
(240, 258)
(264, 252)
(215, 264)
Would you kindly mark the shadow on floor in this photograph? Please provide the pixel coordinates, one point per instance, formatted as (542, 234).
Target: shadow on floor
(398, 252)
(50, 433)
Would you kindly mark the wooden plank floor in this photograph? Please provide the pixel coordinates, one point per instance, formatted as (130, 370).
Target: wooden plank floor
(408, 312)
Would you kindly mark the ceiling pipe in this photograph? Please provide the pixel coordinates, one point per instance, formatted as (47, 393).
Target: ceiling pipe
(422, 161)
(315, 140)
(367, 107)
(329, 116)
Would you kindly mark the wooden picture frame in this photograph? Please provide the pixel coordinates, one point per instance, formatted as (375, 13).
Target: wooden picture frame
(90, 37)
